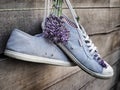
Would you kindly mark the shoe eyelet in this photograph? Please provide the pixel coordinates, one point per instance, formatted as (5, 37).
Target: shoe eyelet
(52, 55)
(71, 48)
(45, 53)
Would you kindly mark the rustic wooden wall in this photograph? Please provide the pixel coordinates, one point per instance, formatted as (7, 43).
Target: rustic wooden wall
(101, 19)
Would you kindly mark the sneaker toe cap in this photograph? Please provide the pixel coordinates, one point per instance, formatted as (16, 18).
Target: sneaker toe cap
(109, 72)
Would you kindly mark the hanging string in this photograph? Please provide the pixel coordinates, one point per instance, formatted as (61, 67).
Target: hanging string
(48, 10)
(75, 18)
(72, 12)
(45, 10)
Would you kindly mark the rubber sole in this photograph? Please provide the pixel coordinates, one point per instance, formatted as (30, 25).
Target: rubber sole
(72, 57)
(36, 59)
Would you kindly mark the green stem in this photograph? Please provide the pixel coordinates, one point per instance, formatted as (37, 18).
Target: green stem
(60, 9)
(57, 11)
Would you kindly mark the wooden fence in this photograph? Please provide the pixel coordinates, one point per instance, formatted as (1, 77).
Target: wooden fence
(101, 19)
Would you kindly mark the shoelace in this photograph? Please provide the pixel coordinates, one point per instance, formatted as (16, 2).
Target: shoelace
(91, 47)
(93, 50)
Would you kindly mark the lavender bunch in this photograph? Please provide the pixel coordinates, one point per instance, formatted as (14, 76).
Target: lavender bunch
(55, 29)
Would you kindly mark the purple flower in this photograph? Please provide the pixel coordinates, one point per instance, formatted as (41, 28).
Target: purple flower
(55, 29)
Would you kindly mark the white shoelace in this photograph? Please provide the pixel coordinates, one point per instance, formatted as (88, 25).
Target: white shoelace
(92, 48)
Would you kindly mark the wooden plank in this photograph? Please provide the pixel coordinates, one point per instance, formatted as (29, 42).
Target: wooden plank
(28, 21)
(107, 42)
(103, 84)
(90, 3)
(23, 75)
(73, 82)
(98, 20)
(6, 4)
(18, 75)
(80, 79)
(40, 3)
(95, 16)
(114, 3)
(114, 17)
(94, 21)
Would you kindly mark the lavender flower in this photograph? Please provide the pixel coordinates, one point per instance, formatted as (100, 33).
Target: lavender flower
(55, 29)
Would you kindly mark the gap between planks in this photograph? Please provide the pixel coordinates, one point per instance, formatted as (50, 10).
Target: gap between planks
(27, 9)
(73, 73)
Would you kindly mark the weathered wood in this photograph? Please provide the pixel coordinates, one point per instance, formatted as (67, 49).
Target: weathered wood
(103, 84)
(107, 42)
(90, 3)
(94, 21)
(73, 82)
(43, 75)
(114, 3)
(99, 17)
(99, 20)
(18, 75)
(4, 4)
(114, 17)
(28, 21)
(40, 3)
(80, 79)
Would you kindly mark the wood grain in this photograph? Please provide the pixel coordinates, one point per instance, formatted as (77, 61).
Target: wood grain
(101, 19)
(18, 75)
(40, 3)
(103, 84)
(114, 3)
(28, 76)
(94, 21)
(107, 42)
(81, 80)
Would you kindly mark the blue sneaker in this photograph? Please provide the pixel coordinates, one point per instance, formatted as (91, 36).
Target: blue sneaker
(77, 46)
(34, 49)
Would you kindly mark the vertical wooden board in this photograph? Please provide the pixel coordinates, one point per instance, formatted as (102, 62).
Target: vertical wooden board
(114, 3)
(18, 75)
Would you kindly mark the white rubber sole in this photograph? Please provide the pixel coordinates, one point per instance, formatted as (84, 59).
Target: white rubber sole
(36, 59)
(72, 57)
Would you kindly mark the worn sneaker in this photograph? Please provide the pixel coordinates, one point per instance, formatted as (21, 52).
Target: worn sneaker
(34, 49)
(77, 45)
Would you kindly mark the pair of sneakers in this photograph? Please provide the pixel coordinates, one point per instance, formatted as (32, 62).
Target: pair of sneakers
(77, 50)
